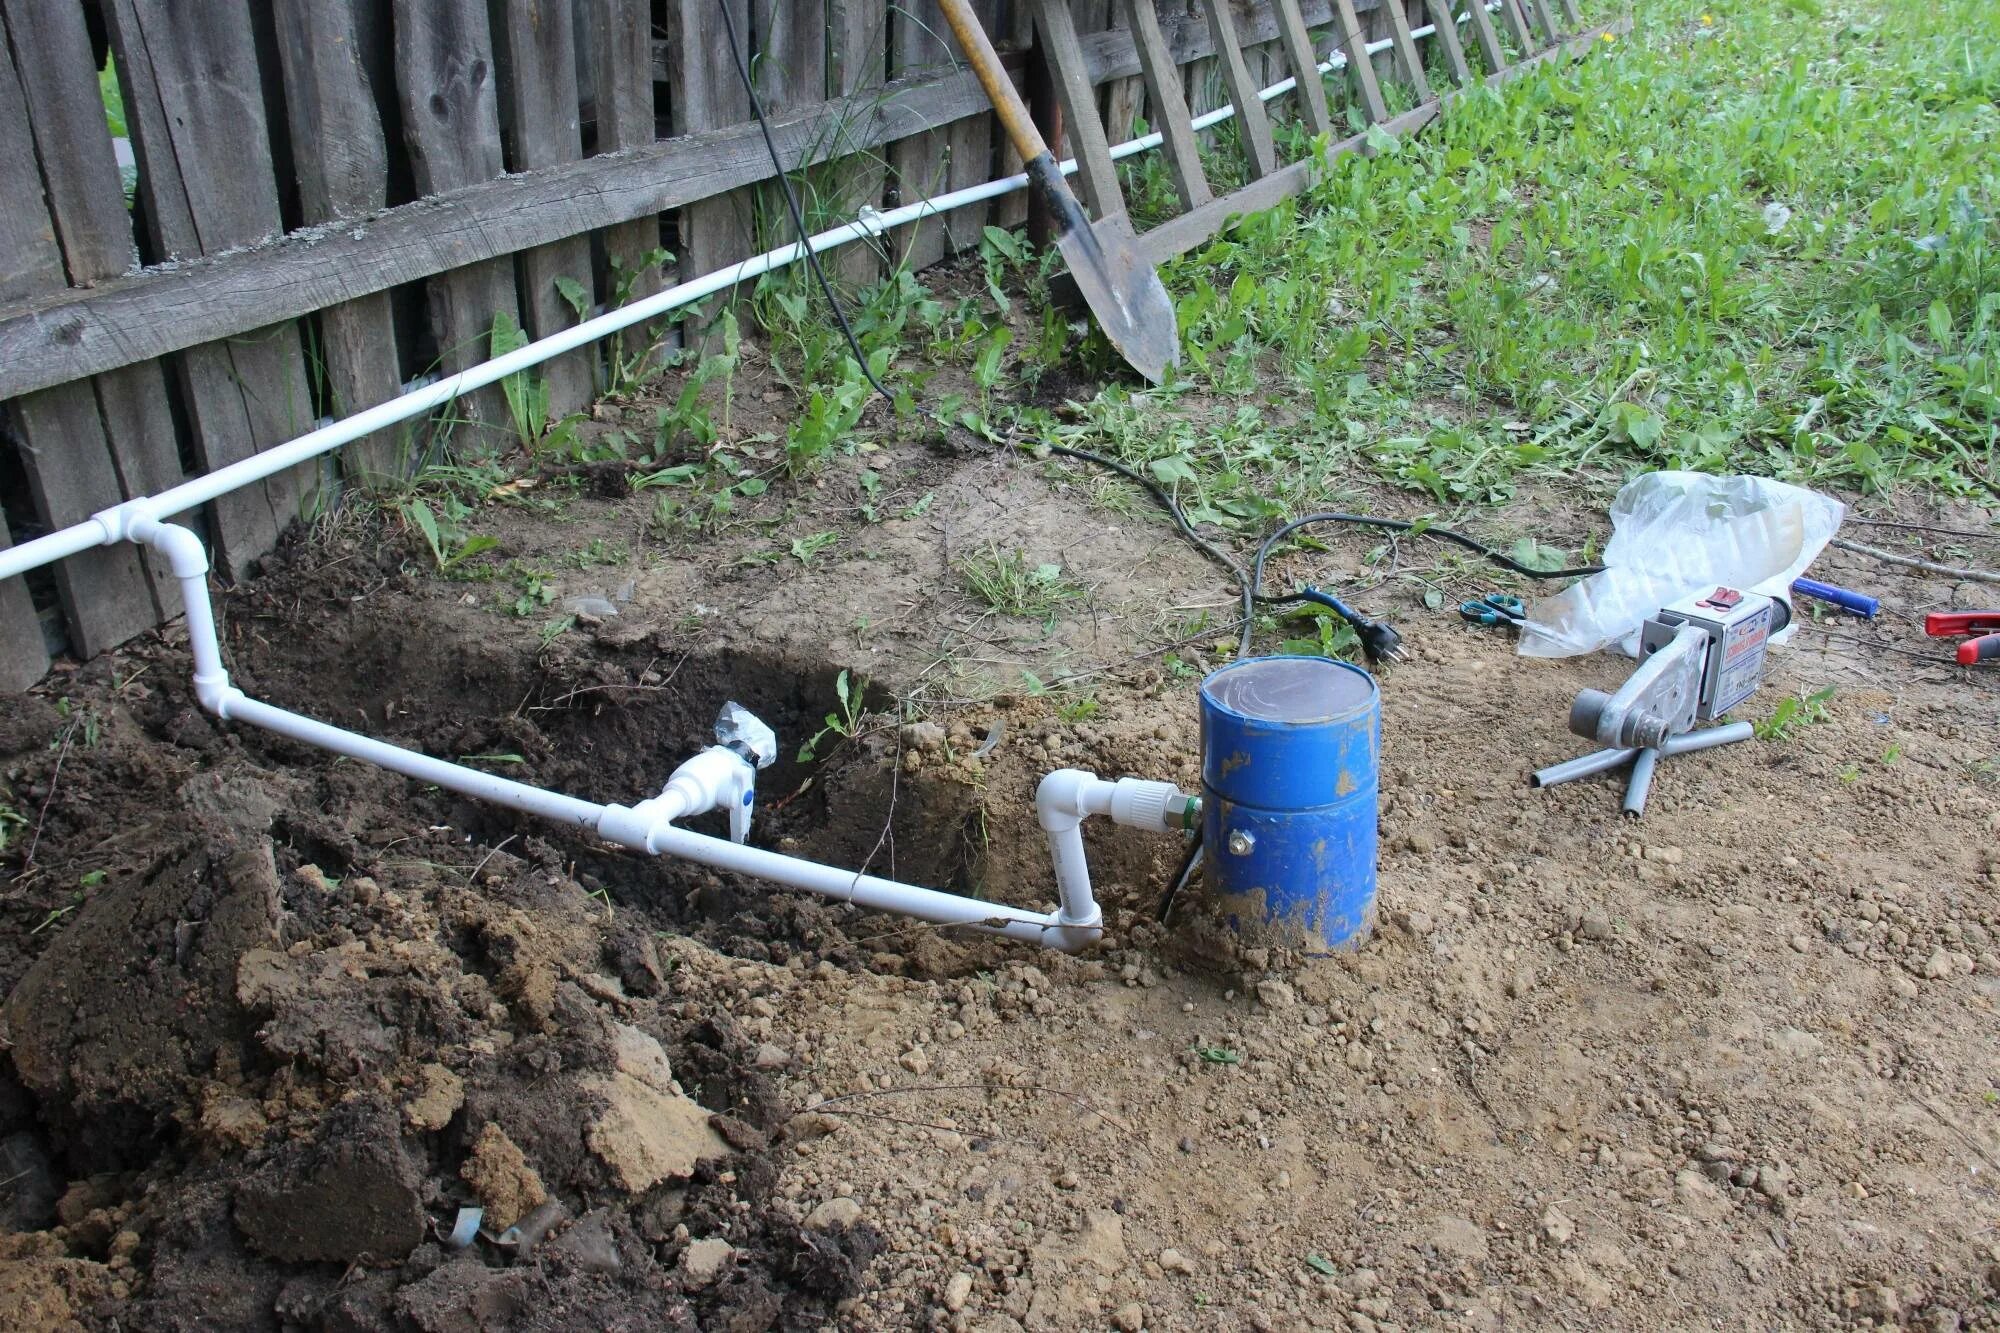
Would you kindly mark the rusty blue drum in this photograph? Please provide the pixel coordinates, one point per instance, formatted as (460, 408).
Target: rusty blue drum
(1291, 751)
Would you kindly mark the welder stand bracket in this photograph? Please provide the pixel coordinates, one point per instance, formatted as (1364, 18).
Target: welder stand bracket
(1643, 760)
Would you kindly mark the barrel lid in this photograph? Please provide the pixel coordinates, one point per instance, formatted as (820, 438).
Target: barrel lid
(1295, 691)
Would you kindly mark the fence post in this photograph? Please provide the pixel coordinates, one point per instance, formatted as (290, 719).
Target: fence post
(537, 46)
(194, 100)
(445, 78)
(342, 165)
(621, 57)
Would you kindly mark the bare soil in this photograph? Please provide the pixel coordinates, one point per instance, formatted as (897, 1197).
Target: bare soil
(272, 1018)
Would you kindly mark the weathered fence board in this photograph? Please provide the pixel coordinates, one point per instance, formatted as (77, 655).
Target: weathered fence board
(1360, 65)
(1169, 104)
(1517, 26)
(791, 72)
(1083, 130)
(1446, 37)
(1253, 127)
(342, 166)
(482, 110)
(945, 158)
(1491, 53)
(857, 65)
(1121, 100)
(105, 592)
(1302, 56)
(621, 57)
(536, 41)
(1408, 64)
(445, 82)
(86, 202)
(708, 95)
(195, 104)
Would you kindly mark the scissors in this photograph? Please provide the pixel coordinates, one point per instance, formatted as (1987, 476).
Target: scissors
(1496, 608)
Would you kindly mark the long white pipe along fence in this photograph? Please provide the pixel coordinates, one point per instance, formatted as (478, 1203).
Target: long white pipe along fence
(1065, 798)
(101, 530)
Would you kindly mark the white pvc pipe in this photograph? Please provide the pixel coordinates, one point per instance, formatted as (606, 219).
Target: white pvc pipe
(647, 827)
(108, 527)
(945, 909)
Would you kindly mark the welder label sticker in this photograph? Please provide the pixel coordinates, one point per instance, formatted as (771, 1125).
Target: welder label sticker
(1742, 663)
(1747, 641)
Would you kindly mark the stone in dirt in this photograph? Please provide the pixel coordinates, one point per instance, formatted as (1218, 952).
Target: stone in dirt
(958, 1291)
(500, 1176)
(702, 1261)
(1175, 1262)
(1129, 1317)
(1557, 1227)
(838, 1212)
(640, 1055)
(646, 1135)
(230, 1120)
(351, 1194)
(434, 1098)
(1276, 995)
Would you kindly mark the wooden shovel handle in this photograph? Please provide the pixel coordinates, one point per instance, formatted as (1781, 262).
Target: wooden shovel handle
(985, 62)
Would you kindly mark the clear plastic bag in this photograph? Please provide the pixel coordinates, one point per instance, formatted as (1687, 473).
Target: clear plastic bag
(1671, 534)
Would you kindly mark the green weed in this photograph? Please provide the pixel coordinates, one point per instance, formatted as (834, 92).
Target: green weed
(1793, 713)
(445, 536)
(1005, 581)
(845, 722)
(527, 397)
(806, 549)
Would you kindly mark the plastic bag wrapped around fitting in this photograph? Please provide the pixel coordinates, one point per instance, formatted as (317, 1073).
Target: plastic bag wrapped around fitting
(1673, 533)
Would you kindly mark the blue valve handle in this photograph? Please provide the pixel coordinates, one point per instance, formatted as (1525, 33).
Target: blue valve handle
(1860, 603)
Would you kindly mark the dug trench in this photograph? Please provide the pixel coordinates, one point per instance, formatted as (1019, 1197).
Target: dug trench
(273, 1018)
(301, 1011)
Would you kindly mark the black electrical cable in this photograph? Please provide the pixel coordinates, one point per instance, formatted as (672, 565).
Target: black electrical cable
(1181, 877)
(1151, 487)
(1378, 640)
(1500, 558)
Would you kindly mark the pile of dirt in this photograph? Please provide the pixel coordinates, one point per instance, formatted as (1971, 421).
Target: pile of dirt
(246, 1086)
(274, 1020)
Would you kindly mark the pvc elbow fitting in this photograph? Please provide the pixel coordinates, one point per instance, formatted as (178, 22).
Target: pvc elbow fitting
(182, 548)
(1060, 799)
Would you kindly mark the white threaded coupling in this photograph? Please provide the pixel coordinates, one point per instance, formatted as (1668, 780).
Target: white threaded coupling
(1158, 807)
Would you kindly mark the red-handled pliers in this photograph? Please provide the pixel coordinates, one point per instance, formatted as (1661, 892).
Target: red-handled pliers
(1951, 624)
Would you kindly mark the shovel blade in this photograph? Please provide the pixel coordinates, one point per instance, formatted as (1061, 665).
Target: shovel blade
(1124, 293)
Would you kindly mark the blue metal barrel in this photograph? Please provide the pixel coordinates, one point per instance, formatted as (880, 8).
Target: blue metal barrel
(1291, 747)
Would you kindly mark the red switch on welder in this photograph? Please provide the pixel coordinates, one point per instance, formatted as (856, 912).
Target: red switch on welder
(1984, 624)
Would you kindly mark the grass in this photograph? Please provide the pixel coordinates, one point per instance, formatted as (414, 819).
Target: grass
(1753, 236)
(1008, 583)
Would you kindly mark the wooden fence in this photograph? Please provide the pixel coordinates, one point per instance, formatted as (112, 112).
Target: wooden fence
(310, 203)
